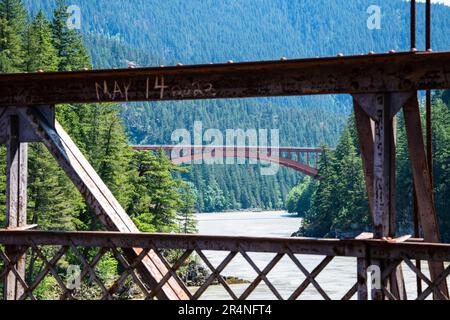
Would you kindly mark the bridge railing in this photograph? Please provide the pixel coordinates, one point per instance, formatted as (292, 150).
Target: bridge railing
(50, 255)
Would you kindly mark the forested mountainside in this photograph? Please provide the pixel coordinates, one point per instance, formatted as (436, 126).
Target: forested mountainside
(152, 32)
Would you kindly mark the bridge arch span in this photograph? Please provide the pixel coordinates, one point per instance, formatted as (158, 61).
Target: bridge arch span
(281, 156)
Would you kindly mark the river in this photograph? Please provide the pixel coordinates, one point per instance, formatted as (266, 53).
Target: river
(336, 279)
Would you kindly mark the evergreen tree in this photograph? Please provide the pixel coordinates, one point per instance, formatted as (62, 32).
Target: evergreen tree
(441, 164)
(68, 42)
(339, 205)
(319, 219)
(40, 52)
(186, 220)
(15, 13)
(299, 198)
(352, 212)
(12, 26)
(158, 196)
(404, 199)
(53, 200)
(98, 131)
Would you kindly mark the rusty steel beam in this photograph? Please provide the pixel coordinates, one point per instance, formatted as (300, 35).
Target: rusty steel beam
(337, 75)
(429, 127)
(378, 249)
(363, 125)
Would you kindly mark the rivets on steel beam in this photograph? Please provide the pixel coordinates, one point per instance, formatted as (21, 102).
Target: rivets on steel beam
(392, 51)
(40, 71)
(179, 64)
(283, 59)
(413, 50)
(430, 50)
(371, 52)
(230, 61)
(340, 54)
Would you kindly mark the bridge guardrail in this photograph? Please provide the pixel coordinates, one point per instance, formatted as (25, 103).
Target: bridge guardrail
(50, 251)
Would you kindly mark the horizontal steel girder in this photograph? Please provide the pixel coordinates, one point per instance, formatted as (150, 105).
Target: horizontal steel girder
(393, 72)
(378, 249)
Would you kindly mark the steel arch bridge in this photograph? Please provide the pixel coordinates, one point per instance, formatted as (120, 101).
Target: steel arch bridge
(304, 160)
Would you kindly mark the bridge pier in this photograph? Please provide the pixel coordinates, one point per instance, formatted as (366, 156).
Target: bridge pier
(376, 127)
(16, 203)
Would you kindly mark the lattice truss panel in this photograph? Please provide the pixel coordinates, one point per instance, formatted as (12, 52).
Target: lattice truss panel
(47, 267)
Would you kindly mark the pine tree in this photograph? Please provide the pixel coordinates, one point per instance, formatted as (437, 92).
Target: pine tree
(319, 219)
(14, 12)
(299, 198)
(12, 28)
(40, 52)
(158, 196)
(339, 203)
(53, 200)
(352, 213)
(186, 220)
(441, 164)
(68, 42)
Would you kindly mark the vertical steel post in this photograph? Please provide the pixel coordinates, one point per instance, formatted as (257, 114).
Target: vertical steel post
(429, 133)
(415, 208)
(16, 203)
(413, 24)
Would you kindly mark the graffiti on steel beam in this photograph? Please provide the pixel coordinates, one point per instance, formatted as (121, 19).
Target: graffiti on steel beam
(119, 90)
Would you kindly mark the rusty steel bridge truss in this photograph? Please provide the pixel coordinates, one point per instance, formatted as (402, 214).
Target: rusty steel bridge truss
(381, 85)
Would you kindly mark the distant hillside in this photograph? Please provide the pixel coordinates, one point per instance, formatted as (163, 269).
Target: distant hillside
(154, 32)
(196, 31)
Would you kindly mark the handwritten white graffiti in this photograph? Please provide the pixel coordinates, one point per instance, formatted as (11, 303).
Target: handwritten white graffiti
(194, 90)
(120, 90)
